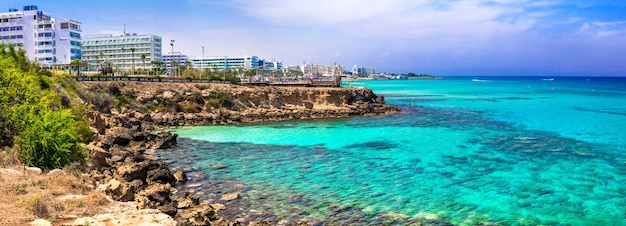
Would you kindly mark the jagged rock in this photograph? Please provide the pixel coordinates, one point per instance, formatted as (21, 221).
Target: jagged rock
(181, 177)
(121, 136)
(132, 171)
(168, 208)
(188, 200)
(157, 196)
(218, 206)
(97, 122)
(158, 172)
(121, 191)
(307, 104)
(201, 215)
(380, 99)
(165, 140)
(98, 158)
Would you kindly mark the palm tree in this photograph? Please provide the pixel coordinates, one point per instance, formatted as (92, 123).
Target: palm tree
(187, 66)
(101, 58)
(132, 57)
(143, 58)
(77, 64)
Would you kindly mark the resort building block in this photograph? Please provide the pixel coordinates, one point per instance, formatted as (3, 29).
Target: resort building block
(126, 52)
(49, 41)
(173, 59)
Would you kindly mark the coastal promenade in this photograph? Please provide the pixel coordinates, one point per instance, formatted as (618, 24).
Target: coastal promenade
(312, 82)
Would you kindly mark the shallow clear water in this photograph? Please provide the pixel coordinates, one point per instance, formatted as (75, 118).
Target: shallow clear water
(510, 150)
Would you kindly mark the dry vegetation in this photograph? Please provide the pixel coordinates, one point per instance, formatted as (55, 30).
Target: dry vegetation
(57, 198)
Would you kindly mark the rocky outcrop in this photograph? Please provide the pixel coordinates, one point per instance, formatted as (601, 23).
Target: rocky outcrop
(121, 135)
(127, 174)
(181, 104)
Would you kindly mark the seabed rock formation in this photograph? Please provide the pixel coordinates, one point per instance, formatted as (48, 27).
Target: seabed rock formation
(122, 133)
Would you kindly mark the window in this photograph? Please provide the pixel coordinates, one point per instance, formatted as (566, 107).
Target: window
(47, 34)
(65, 25)
(74, 34)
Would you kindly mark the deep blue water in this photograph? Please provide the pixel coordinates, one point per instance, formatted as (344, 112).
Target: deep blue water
(465, 150)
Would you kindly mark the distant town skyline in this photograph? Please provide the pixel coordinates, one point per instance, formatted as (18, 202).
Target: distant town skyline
(473, 37)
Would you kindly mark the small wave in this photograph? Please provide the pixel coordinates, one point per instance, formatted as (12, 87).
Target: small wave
(480, 80)
(548, 79)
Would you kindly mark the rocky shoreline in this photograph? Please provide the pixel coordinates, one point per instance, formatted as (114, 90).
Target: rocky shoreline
(122, 137)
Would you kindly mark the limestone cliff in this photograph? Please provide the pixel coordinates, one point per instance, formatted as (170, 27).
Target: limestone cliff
(178, 104)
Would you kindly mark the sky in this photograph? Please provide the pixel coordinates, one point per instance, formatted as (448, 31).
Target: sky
(442, 37)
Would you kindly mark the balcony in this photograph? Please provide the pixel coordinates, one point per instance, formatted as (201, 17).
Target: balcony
(50, 46)
(45, 29)
(42, 39)
(44, 55)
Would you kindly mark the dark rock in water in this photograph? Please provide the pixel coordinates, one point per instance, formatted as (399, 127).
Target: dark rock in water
(217, 166)
(158, 172)
(165, 140)
(295, 199)
(188, 200)
(181, 177)
(378, 145)
(380, 99)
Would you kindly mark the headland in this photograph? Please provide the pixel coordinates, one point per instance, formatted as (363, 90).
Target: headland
(126, 115)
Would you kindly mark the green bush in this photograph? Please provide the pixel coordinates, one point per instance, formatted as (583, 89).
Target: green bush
(219, 99)
(51, 139)
(45, 129)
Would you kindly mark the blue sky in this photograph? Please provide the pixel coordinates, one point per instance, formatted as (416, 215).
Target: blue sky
(444, 37)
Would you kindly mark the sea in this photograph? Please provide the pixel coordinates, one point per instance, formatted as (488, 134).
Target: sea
(462, 151)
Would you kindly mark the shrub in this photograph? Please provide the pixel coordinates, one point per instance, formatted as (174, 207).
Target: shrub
(219, 99)
(44, 128)
(38, 207)
(51, 140)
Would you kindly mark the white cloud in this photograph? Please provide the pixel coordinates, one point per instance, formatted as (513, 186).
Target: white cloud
(401, 18)
(603, 29)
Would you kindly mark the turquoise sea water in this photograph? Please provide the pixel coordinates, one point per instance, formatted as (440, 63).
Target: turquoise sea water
(503, 150)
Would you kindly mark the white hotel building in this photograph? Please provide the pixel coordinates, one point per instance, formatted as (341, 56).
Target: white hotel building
(226, 62)
(118, 50)
(47, 40)
(220, 62)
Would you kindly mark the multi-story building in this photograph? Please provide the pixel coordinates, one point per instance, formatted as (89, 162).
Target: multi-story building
(219, 62)
(226, 62)
(125, 52)
(47, 40)
(363, 71)
(172, 59)
(316, 70)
